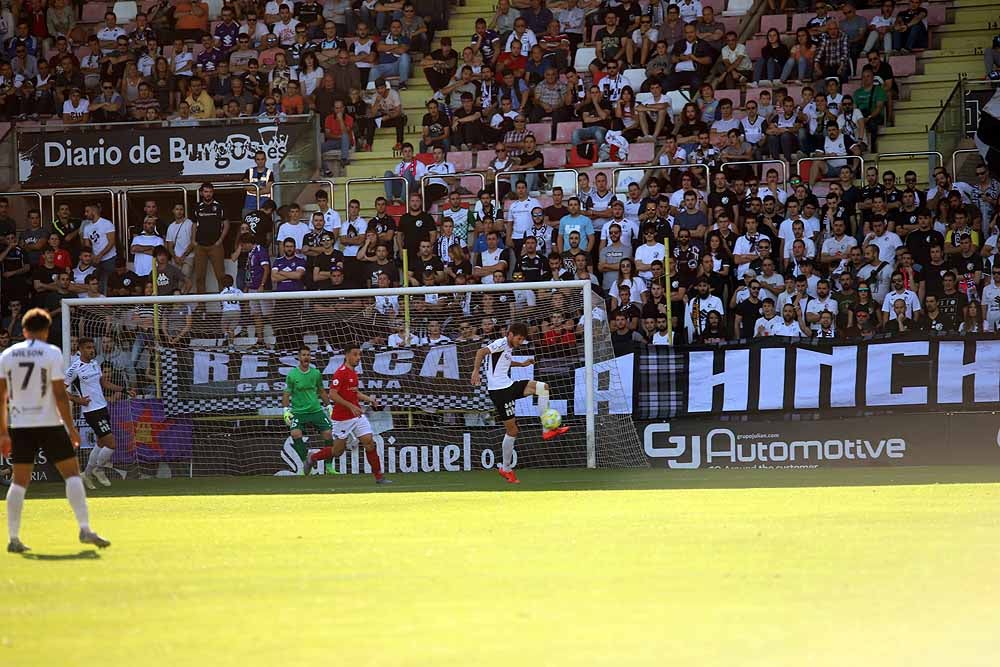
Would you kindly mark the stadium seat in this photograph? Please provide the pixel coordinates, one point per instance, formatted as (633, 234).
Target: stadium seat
(564, 132)
(461, 159)
(214, 9)
(594, 30)
(472, 183)
(800, 20)
(584, 56)
(426, 158)
(936, 14)
(635, 77)
(643, 98)
(718, 5)
(754, 47)
(565, 180)
(125, 11)
(731, 22)
(93, 12)
(777, 21)
(731, 95)
(542, 131)
(640, 153)
(484, 157)
(555, 156)
(677, 101)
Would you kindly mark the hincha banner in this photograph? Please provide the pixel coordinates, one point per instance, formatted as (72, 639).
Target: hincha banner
(904, 375)
(136, 154)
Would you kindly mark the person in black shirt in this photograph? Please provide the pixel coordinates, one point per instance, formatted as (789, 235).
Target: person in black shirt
(748, 311)
(623, 337)
(211, 228)
(850, 195)
(308, 13)
(596, 115)
(261, 223)
(383, 224)
(530, 264)
(722, 196)
(951, 302)
(416, 225)
(123, 282)
(906, 217)
(15, 267)
(318, 267)
(919, 241)
(871, 189)
(383, 264)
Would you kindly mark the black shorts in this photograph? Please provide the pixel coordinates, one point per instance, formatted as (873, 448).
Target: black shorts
(99, 421)
(27, 442)
(503, 399)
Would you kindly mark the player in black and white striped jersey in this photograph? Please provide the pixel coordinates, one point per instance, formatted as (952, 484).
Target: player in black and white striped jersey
(35, 416)
(87, 383)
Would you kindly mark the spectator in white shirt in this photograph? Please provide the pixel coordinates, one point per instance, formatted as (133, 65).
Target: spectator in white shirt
(179, 240)
(900, 293)
(143, 245)
(884, 240)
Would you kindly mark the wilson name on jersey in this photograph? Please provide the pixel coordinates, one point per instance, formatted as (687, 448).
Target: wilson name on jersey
(29, 368)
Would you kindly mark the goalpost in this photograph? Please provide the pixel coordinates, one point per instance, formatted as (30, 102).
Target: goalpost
(208, 372)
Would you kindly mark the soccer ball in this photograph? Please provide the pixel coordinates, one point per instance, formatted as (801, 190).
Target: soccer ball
(551, 419)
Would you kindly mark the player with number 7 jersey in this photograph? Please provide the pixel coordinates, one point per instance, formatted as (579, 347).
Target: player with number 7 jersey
(35, 416)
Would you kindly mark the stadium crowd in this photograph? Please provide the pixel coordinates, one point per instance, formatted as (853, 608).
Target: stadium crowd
(833, 253)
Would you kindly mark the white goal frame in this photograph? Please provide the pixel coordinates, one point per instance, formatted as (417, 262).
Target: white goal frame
(582, 285)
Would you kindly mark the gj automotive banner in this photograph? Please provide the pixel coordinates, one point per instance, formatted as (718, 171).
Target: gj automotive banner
(938, 374)
(886, 440)
(135, 154)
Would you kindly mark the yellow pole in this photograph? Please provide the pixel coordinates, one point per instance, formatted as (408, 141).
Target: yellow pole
(406, 297)
(666, 270)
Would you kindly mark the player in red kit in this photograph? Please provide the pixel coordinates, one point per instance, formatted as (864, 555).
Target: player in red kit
(348, 417)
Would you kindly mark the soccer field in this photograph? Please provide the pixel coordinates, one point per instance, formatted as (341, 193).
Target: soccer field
(759, 567)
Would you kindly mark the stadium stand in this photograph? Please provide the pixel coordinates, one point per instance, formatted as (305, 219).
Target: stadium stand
(590, 87)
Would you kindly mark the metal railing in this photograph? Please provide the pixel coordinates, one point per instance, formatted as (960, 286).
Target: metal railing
(426, 177)
(929, 154)
(618, 170)
(381, 179)
(783, 167)
(152, 188)
(562, 170)
(829, 158)
(954, 159)
(29, 193)
(78, 193)
(948, 129)
(277, 185)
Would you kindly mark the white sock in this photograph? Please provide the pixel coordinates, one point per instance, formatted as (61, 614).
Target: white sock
(77, 497)
(542, 392)
(508, 451)
(15, 503)
(92, 459)
(104, 457)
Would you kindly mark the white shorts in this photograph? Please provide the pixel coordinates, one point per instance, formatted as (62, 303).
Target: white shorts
(358, 427)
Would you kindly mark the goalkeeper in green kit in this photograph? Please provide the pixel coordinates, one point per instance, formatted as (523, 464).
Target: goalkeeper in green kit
(304, 391)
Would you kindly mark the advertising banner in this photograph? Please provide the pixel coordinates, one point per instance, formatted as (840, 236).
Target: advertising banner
(931, 373)
(137, 154)
(931, 439)
(258, 447)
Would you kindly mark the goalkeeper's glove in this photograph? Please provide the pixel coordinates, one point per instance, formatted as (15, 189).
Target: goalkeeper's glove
(288, 416)
(329, 411)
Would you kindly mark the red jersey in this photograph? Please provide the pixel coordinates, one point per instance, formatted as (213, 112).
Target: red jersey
(345, 383)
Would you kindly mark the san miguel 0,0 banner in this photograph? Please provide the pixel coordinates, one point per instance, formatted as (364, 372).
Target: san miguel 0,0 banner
(883, 375)
(140, 154)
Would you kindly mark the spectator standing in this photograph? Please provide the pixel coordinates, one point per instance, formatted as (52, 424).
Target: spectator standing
(143, 245)
(100, 237)
(211, 228)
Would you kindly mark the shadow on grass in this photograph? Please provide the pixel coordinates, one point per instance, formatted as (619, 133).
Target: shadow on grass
(89, 554)
(544, 480)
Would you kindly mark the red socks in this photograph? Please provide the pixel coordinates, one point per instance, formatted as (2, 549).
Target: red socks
(373, 461)
(324, 454)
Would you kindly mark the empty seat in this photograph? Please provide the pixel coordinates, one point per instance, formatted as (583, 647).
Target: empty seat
(93, 12)
(426, 158)
(800, 20)
(640, 153)
(936, 14)
(564, 132)
(778, 21)
(483, 158)
(461, 159)
(731, 95)
(754, 47)
(565, 180)
(554, 156)
(625, 178)
(584, 56)
(635, 77)
(125, 11)
(718, 5)
(542, 131)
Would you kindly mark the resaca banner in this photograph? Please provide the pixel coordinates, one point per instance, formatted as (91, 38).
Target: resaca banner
(133, 154)
(933, 373)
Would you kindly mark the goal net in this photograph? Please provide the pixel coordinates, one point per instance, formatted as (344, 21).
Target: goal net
(203, 378)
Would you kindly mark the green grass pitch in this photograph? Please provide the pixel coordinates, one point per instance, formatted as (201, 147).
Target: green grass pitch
(839, 567)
